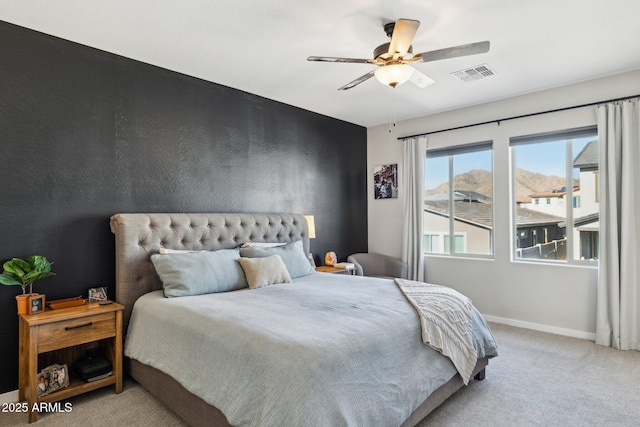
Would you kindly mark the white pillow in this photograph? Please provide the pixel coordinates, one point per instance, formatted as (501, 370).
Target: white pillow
(165, 251)
(262, 244)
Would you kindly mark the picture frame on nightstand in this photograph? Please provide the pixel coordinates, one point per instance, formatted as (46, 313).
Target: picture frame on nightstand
(97, 294)
(36, 304)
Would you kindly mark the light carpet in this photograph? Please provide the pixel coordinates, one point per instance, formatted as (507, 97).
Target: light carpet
(539, 379)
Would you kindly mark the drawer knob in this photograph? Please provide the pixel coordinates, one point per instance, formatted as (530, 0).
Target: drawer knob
(84, 325)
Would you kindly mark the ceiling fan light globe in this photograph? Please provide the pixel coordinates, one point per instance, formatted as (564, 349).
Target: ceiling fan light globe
(394, 74)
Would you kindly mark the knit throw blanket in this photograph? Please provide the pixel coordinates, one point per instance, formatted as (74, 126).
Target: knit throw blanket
(445, 318)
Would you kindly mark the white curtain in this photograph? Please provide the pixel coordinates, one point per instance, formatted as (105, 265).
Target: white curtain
(618, 303)
(414, 151)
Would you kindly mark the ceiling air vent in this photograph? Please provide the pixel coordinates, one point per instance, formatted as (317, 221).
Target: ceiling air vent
(475, 73)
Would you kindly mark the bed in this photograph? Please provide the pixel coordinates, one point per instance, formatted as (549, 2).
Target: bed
(324, 349)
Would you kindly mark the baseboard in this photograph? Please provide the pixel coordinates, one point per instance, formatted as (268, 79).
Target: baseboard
(540, 327)
(9, 397)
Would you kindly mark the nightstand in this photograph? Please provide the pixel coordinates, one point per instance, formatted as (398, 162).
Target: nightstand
(63, 336)
(336, 270)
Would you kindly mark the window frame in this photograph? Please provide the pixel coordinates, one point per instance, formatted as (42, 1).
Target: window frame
(568, 136)
(450, 152)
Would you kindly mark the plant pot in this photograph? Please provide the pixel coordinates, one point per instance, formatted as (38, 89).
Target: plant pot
(23, 303)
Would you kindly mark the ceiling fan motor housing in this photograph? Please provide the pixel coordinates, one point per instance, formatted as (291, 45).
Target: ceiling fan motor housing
(388, 28)
(382, 51)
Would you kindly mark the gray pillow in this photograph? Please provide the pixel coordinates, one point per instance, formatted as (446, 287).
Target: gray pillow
(197, 273)
(292, 255)
(265, 271)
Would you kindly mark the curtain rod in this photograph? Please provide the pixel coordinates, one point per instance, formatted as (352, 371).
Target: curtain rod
(521, 116)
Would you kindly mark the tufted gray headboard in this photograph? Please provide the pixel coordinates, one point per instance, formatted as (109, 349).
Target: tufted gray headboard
(140, 235)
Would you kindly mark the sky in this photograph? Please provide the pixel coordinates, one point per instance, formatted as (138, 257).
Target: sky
(545, 158)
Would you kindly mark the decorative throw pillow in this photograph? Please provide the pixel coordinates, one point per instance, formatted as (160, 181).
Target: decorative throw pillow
(292, 255)
(264, 271)
(201, 272)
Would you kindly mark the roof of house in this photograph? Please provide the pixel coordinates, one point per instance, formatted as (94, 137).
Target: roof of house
(583, 220)
(553, 193)
(548, 193)
(588, 157)
(481, 214)
(523, 199)
(531, 218)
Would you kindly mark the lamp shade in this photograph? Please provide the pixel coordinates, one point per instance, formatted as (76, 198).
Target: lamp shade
(394, 74)
(312, 226)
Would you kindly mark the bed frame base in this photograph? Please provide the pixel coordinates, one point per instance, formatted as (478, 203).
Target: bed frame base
(196, 412)
(191, 408)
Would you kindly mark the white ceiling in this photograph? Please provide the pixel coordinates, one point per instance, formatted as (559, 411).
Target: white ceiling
(261, 46)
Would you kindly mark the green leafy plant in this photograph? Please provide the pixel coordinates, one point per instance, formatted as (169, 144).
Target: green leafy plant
(24, 273)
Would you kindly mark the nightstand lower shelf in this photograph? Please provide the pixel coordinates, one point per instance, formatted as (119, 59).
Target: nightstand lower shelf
(76, 387)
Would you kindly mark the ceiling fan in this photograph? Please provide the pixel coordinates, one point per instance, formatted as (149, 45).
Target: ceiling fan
(394, 57)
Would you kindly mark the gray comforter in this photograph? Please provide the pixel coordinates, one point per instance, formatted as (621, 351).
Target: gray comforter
(326, 350)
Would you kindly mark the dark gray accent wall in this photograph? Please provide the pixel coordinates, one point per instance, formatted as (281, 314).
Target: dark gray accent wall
(86, 134)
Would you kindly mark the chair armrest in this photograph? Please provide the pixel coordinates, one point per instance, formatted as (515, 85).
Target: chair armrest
(373, 264)
(394, 267)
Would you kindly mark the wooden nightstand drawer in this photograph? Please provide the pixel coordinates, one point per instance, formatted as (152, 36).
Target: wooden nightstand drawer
(56, 335)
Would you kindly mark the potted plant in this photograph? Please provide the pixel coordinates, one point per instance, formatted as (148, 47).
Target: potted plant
(24, 273)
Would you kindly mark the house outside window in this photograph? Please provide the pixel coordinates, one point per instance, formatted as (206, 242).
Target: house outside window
(563, 168)
(459, 201)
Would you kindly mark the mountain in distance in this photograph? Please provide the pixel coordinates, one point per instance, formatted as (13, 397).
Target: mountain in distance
(528, 183)
(479, 180)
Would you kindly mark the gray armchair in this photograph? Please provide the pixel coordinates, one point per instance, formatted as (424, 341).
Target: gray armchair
(378, 265)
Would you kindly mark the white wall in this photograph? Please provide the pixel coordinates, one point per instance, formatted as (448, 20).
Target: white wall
(555, 298)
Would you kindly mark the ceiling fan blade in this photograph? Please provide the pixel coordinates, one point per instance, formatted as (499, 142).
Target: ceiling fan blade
(357, 81)
(334, 59)
(402, 37)
(454, 52)
(420, 80)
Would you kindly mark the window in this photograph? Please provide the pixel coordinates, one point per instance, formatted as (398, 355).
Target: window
(459, 200)
(576, 201)
(563, 169)
(432, 243)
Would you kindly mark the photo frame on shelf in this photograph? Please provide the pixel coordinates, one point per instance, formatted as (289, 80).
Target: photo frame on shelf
(52, 378)
(385, 181)
(44, 379)
(36, 304)
(97, 294)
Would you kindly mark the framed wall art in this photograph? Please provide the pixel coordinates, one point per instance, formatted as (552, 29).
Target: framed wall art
(385, 181)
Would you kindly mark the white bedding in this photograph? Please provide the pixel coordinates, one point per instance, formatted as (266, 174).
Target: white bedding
(326, 350)
(445, 318)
